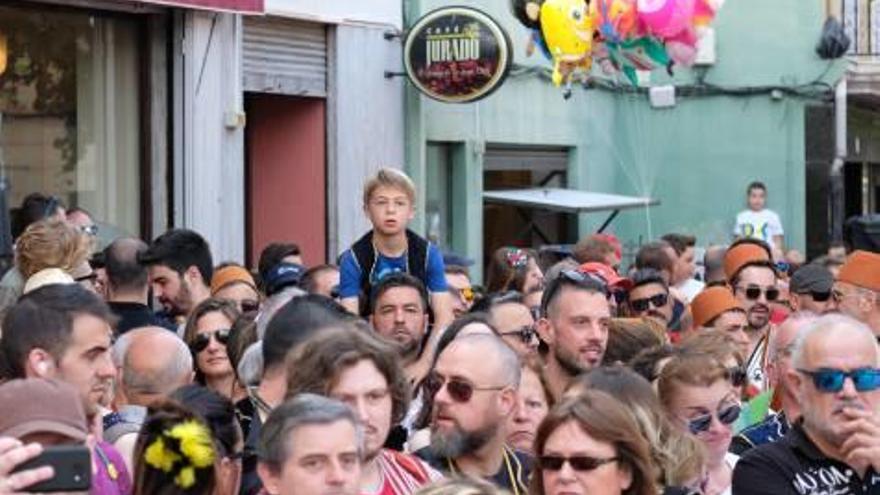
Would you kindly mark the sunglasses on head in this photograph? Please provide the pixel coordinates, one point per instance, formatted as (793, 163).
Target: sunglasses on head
(657, 300)
(577, 463)
(726, 416)
(829, 380)
(526, 333)
(91, 230)
(202, 340)
(753, 292)
(459, 390)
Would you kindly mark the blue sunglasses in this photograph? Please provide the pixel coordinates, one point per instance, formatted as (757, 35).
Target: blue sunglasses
(830, 380)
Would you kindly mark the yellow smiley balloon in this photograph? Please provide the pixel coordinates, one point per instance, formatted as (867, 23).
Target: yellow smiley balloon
(568, 31)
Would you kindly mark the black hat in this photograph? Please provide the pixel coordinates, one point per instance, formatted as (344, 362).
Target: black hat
(281, 276)
(811, 278)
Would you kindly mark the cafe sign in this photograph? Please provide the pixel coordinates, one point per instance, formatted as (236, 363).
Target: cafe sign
(456, 54)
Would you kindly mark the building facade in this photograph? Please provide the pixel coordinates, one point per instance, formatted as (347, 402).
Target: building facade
(737, 118)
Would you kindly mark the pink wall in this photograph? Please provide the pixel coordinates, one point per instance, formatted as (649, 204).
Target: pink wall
(286, 148)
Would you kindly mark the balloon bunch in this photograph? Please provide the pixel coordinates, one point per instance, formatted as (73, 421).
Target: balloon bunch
(622, 36)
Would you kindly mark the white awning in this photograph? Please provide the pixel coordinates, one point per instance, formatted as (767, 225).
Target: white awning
(567, 200)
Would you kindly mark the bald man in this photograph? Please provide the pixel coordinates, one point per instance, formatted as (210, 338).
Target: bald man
(128, 284)
(151, 363)
(474, 385)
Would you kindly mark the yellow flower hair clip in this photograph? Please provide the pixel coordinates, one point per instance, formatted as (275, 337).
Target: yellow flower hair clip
(195, 450)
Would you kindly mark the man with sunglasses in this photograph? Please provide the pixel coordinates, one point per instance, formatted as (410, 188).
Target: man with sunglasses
(474, 384)
(752, 277)
(811, 289)
(513, 321)
(574, 325)
(649, 297)
(458, 283)
(857, 290)
(835, 447)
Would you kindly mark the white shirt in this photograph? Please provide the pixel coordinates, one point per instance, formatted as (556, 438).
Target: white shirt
(764, 225)
(690, 288)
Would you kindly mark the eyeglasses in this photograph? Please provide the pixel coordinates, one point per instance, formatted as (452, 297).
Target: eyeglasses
(458, 389)
(737, 375)
(727, 416)
(657, 300)
(753, 292)
(526, 334)
(578, 463)
(580, 279)
(249, 306)
(202, 340)
(829, 380)
(821, 296)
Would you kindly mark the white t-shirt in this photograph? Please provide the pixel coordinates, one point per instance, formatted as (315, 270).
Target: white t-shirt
(764, 225)
(690, 288)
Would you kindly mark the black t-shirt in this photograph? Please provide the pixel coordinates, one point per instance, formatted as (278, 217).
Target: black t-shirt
(795, 466)
(513, 475)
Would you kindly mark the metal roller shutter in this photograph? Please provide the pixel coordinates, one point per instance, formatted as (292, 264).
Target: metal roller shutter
(517, 158)
(282, 56)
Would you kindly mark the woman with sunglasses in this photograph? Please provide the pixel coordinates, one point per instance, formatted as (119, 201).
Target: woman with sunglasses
(207, 333)
(512, 268)
(697, 394)
(535, 400)
(591, 445)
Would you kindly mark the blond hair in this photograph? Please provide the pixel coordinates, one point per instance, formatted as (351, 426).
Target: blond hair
(389, 177)
(51, 243)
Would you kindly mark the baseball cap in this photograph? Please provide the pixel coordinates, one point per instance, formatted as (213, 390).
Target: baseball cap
(282, 275)
(811, 278)
(37, 405)
(612, 279)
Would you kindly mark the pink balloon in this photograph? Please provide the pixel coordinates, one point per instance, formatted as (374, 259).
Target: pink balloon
(665, 18)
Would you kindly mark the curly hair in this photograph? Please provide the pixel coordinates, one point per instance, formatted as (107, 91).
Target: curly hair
(51, 243)
(316, 367)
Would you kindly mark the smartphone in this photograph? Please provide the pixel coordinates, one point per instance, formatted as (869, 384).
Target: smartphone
(72, 465)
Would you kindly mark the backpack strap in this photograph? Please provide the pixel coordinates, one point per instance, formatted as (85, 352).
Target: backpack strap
(417, 256)
(365, 256)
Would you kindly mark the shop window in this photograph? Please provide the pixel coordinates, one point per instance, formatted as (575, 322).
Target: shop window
(70, 112)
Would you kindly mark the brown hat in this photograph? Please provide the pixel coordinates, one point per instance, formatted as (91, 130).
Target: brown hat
(711, 303)
(229, 275)
(36, 405)
(744, 254)
(862, 269)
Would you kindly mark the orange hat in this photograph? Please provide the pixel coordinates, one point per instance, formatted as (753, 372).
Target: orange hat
(741, 255)
(862, 269)
(231, 274)
(711, 303)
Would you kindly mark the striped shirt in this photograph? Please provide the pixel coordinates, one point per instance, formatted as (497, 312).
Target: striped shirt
(403, 474)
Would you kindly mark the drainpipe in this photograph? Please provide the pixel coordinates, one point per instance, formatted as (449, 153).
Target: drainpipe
(840, 152)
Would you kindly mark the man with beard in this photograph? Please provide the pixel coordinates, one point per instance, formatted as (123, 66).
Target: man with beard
(513, 320)
(574, 325)
(752, 277)
(474, 385)
(363, 372)
(779, 351)
(399, 313)
(649, 297)
(62, 332)
(835, 447)
(857, 290)
(180, 271)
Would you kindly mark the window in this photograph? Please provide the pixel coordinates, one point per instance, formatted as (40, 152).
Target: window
(70, 112)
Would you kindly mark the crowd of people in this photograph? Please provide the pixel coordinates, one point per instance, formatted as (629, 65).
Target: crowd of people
(391, 373)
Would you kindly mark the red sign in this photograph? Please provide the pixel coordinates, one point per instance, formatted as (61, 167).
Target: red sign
(241, 6)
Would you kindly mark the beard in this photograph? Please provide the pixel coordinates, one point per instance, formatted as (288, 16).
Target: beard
(569, 361)
(758, 320)
(458, 442)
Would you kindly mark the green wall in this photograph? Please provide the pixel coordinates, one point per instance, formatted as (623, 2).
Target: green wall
(696, 158)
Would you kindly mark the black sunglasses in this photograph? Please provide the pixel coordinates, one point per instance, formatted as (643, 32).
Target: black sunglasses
(578, 463)
(753, 292)
(202, 340)
(526, 333)
(657, 300)
(820, 296)
(727, 416)
(458, 389)
(249, 306)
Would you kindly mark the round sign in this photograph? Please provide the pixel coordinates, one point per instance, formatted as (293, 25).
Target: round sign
(456, 54)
